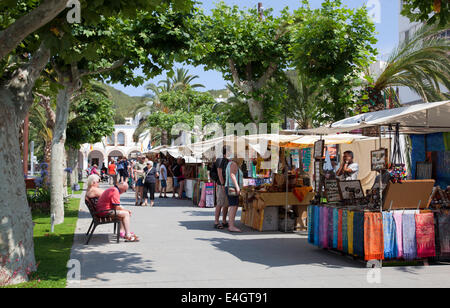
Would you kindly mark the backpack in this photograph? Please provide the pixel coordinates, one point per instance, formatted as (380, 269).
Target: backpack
(120, 166)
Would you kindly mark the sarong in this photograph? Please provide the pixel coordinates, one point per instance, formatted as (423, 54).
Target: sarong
(425, 235)
(310, 224)
(399, 230)
(444, 234)
(389, 236)
(345, 231)
(339, 245)
(373, 236)
(335, 228)
(358, 234)
(330, 228)
(324, 228)
(350, 231)
(316, 226)
(409, 236)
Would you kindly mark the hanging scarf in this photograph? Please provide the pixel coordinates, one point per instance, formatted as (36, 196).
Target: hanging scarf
(390, 236)
(399, 230)
(330, 228)
(409, 236)
(345, 231)
(373, 236)
(339, 243)
(350, 231)
(316, 225)
(358, 234)
(425, 235)
(310, 224)
(444, 234)
(324, 228)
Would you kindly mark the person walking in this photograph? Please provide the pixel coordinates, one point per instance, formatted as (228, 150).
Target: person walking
(112, 172)
(218, 173)
(163, 179)
(233, 184)
(175, 172)
(149, 183)
(181, 178)
(139, 179)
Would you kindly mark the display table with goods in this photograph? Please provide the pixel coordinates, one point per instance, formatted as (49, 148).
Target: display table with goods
(270, 207)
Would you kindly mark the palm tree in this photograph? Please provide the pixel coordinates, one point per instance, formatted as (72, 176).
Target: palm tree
(182, 80)
(302, 93)
(422, 64)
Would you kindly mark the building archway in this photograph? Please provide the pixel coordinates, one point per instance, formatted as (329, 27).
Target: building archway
(96, 157)
(115, 155)
(134, 153)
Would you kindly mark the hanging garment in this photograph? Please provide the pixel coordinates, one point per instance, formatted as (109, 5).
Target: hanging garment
(330, 228)
(310, 224)
(444, 234)
(373, 236)
(335, 228)
(425, 235)
(316, 226)
(409, 236)
(339, 243)
(350, 231)
(345, 231)
(358, 234)
(389, 236)
(324, 227)
(399, 230)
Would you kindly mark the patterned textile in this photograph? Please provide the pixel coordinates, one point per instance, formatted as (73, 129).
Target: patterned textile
(390, 236)
(339, 244)
(358, 234)
(409, 236)
(350, 231)
(330, 228)
(324, 227)
(444, 234)
(425, 235)
(345, 231)
(310, 224)
(335, 228)
(373, 236)
(316, 225)
(399, 230)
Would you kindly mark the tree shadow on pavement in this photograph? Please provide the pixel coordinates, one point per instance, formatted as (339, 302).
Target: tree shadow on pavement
(277, 252)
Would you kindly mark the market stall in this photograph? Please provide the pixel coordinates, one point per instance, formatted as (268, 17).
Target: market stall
(397, 218)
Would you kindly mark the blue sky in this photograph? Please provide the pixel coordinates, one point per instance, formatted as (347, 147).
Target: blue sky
(387, 35)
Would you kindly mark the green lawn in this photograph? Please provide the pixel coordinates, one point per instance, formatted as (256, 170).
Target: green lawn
(52, 250)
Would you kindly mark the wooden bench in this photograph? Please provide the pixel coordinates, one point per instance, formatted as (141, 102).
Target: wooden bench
(100, 220)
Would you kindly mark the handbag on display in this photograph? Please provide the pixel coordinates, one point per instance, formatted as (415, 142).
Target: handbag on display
(397, 169)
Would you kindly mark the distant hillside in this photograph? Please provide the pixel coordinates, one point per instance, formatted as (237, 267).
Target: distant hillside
(123, 103)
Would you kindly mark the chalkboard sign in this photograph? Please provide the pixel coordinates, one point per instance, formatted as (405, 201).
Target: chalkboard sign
(319, 146)
(332, 190)
(424, 170)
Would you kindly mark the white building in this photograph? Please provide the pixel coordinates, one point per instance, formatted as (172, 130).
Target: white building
(119, 144)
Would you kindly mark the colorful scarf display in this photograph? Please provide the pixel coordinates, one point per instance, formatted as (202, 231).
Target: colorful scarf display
(350, 231)
(409, 236)
(339, 243)
(330, 228)
(345, 231)
(324, 227)
(335, 228)
(358, 234)
(373, 236)
(389, 236)
(425, 235)
(444, 234)
(399, 230)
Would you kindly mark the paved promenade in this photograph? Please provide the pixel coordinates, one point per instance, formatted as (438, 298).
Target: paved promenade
(180, 248)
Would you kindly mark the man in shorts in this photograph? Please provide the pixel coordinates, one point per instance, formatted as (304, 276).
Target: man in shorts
(163, 179)
(139, 179)
(222, 200)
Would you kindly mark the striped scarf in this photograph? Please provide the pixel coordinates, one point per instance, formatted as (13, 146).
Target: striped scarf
(409, 236)
(345, 231)
(324, 227)
(425, 235)
(335, 228)
(350, 231)
(316, 225)
(399, 230)
(339, 244)
(330, 227)
(358, 234)
(390, 236)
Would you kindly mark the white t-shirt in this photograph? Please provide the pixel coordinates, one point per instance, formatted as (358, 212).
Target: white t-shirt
(163, 173)
(354, 175)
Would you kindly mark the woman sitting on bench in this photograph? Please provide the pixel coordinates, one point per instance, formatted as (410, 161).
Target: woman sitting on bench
(93, 192)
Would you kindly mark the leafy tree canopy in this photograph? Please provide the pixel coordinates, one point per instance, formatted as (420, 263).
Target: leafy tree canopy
(436, 11)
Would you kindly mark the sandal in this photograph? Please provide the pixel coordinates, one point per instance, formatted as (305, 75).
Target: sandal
(218, 226)
(132, 238)
(122, 234)
(225, 225)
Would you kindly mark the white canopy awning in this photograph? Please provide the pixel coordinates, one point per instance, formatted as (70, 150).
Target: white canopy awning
(415, 119)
